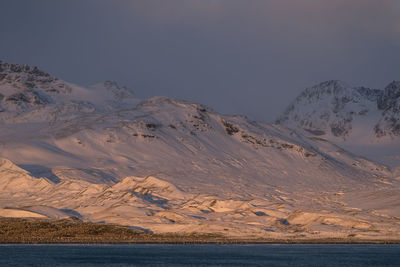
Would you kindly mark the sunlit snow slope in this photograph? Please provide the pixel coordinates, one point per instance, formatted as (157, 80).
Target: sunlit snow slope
(165, 165)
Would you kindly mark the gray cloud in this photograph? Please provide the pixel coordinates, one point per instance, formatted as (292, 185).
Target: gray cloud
(249, 57)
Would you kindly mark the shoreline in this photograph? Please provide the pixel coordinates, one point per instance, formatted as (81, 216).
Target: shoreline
(29, 231)
(219, 242)
(191, 240)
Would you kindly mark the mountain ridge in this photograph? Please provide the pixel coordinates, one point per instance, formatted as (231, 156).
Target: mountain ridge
(174, 166)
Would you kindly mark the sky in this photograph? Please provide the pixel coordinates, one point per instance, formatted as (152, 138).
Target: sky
(246, 57)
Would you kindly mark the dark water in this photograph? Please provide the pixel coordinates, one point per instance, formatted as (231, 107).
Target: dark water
(199, 255)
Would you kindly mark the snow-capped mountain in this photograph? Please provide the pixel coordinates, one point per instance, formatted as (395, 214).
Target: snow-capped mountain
(29, 94)
(168, 165)
(389, 103)
(354, 117)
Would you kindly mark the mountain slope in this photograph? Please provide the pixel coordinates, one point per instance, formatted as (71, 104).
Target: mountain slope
(173, 166)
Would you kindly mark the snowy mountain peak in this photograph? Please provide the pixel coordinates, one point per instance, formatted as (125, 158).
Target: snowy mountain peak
(329, 108)
(117, 93)
(357, 118)
(21, 68)
(24, 77)
(389, 102)
(341, 90)
(390, 96)
(24, 88)
(30, 94)
(331, 87)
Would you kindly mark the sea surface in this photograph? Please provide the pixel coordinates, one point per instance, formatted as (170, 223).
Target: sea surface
(200, 255)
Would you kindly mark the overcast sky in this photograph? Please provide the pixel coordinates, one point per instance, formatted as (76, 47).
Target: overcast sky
(244, 57)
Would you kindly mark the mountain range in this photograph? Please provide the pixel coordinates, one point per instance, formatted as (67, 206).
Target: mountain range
(164, 165)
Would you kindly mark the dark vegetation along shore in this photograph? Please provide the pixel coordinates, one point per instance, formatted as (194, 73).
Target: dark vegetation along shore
(75, 231)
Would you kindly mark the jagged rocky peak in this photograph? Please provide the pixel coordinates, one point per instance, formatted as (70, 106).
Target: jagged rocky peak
(341, 91)
(334, 87)
(330, 108)
(21, 68)
(21, 76)
(389, 103)
(23, 87)
(390, 96)
(337, 109)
